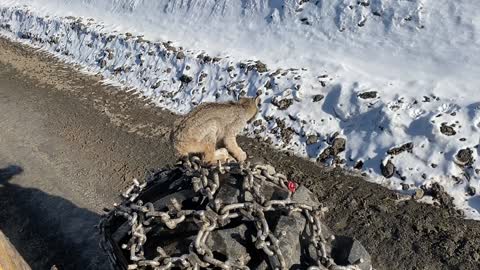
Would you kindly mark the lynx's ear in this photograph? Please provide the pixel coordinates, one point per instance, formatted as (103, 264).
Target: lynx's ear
(258, 101)
(243, 100)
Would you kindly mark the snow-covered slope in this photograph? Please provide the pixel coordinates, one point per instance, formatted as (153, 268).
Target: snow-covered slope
(397, 79)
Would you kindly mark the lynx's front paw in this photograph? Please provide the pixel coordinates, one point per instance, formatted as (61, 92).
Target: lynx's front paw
(221, 155)
(241, 156)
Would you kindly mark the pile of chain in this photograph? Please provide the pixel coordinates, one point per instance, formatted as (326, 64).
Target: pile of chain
(212, 213)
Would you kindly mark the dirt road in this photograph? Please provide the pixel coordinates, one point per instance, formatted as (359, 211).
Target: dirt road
(69, 145)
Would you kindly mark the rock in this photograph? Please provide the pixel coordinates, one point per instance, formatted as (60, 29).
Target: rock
(185, 79)
(207, 59)
(268, 85)
(405, 186)
(156, 84)
(180, 55)
(419, 193)
(282, 104)
(368, 95)
(358, 165)
(317, 98)
(447, 130)
(438, 193)
(303, 195)
(464, 157)
(261, 67)
(169, 47)
(286, 134)
(312, 139)
(229, 192)
(397, 150)
(388, 169)
(471, 191)
(338, 145)
(257, 122)
(364, 3)
(280, 123)
(103, 63)
(348, 251)
(232, 243)
(289, 228)
(326, 154)
(273, 192)
(305, 21)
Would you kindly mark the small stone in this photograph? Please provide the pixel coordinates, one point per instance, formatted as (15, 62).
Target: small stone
(419, 193)
(261, 67)
(349, 251)
(326, 154)
(156, 85)
(471, 191)
(388, 169)
(317, 98)
(338, 145)
(169, 47)
(103, 63)
(397, 150)
(282, 104)
(257, 122)
(305, 196)
(180, 55)
(405, 186)
(312, 139)
(305, 21)
(358, 165)
(368, 95)
(447, 130)
(464, 157)
(207, 59)
(438, 193)
(185, 79)
(268, 85)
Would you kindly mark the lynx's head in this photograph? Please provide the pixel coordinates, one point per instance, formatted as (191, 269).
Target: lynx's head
(251, 106)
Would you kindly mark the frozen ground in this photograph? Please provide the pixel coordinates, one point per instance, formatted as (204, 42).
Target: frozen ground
(396, 79)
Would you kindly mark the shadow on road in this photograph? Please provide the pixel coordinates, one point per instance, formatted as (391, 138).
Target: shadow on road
(48, 230)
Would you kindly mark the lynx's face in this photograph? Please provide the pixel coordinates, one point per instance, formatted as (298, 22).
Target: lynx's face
(252, 105)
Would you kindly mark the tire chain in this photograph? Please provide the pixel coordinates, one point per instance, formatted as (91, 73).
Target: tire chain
(205, 180)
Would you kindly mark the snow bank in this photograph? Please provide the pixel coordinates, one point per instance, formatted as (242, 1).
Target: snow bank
(396, 79)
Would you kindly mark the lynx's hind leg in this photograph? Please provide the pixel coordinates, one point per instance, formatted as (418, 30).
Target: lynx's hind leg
(232, 147)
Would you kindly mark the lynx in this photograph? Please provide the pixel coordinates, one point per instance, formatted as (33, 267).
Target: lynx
(213, 124)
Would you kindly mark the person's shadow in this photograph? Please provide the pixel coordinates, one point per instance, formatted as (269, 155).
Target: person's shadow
(48, 230)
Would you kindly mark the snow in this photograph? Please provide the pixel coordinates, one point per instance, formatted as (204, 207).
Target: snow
(420, 57)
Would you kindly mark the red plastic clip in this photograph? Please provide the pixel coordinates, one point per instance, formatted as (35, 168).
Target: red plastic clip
(292, 186)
